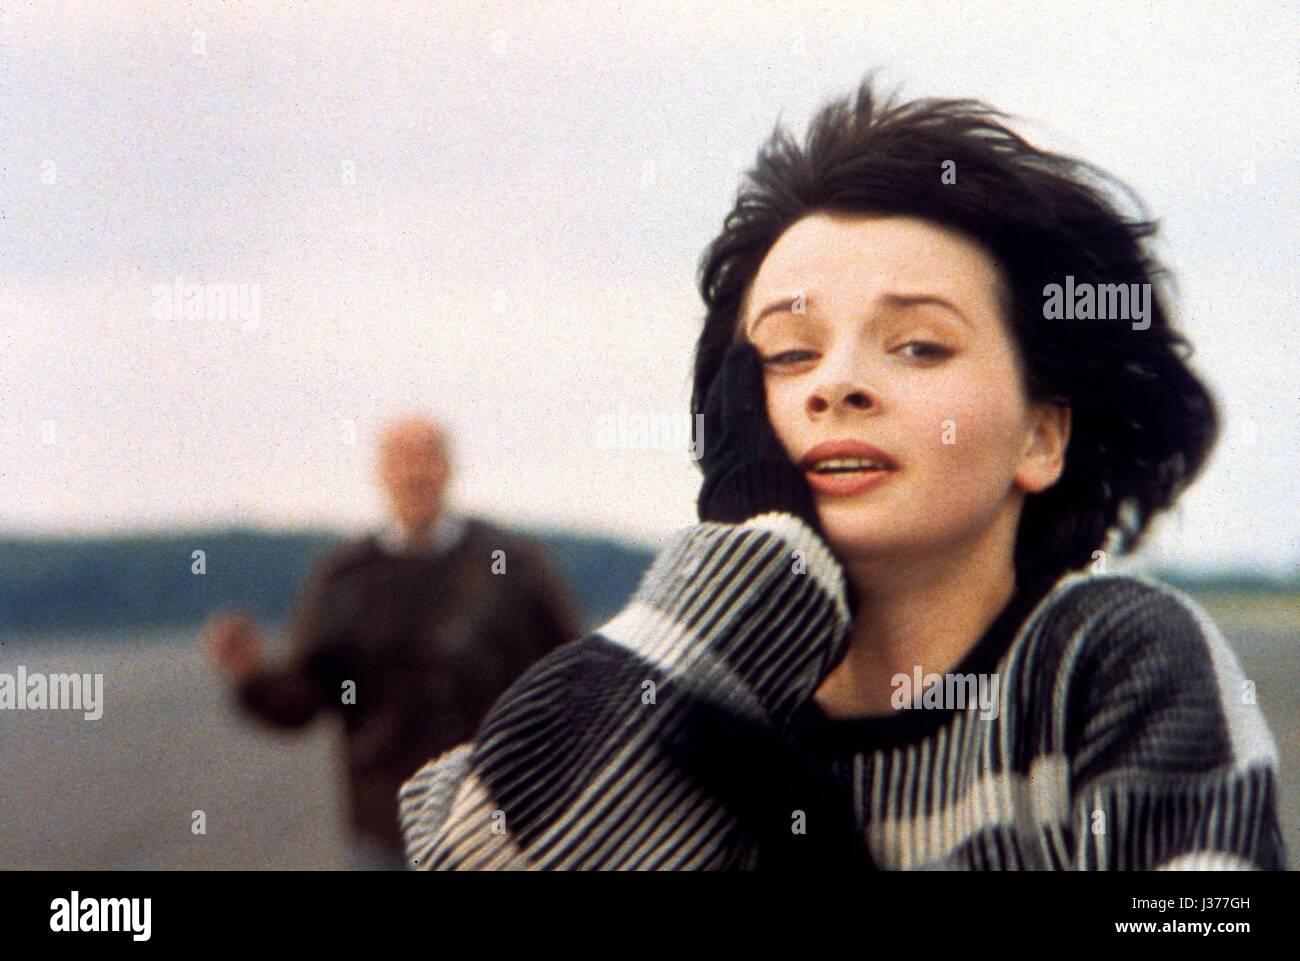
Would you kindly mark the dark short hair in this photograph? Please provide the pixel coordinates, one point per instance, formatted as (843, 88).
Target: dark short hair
(1142, 423)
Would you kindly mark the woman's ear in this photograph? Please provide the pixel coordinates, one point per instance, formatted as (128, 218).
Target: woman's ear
(1044, 456)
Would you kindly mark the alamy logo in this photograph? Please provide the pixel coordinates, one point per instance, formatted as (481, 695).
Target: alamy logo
(181, 301)
(102, 914)
(945, 692)
(632, 430)
(1098, 302)
(53, 692)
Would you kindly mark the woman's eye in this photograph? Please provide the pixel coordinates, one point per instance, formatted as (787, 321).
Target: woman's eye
(924, 350)
(787, 357)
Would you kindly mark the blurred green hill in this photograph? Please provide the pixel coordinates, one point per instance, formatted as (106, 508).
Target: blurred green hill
(145, 580)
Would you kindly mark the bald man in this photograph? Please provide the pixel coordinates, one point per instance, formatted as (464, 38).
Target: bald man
(410, 634)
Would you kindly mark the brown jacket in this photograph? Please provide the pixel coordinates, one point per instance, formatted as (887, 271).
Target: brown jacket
(429, 642)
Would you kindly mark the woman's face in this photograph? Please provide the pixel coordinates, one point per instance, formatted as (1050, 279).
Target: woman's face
(899, 342)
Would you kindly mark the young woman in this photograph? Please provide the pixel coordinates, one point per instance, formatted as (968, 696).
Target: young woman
(939, 387)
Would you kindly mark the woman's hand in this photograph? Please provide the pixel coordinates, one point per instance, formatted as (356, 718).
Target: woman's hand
(747, 471)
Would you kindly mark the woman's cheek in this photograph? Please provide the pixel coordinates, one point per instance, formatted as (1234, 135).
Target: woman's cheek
(973, 442)
(783, 413)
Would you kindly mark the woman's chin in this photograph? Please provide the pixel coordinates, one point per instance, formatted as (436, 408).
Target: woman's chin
(857, 541)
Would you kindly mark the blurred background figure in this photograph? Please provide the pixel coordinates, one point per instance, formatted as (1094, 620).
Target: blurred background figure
(410, 633)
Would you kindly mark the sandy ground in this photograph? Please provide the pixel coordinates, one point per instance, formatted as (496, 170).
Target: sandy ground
(120, 792)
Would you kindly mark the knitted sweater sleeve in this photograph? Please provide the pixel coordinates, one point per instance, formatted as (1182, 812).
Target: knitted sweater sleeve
(570, 768)
(291, 693)
(1172, 766)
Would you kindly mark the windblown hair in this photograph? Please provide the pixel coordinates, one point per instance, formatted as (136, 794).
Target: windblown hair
(1142, 423)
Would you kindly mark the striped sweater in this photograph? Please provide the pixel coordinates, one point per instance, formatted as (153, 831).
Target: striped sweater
(1124, 737)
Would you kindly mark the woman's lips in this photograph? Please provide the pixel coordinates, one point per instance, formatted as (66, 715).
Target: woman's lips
(843, 483)
(847, 483)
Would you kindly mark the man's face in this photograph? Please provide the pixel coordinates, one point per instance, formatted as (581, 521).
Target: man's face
(901, 345)
(414, 469)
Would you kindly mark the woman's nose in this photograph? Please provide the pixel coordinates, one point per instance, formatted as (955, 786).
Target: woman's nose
(842, 395)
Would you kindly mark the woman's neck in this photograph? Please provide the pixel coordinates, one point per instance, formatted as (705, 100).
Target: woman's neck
(928, 613)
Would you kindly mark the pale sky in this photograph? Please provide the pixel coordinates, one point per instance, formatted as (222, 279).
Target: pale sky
(494, 212)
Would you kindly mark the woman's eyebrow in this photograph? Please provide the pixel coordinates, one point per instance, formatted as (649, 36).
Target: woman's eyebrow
(893, 300)
(913, 300)
(776, 306)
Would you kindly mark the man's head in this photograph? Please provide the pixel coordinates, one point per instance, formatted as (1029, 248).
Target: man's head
(414, 465)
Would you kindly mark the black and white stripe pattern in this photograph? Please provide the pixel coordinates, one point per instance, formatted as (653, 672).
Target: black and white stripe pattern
(1122, 739)
(569, 770)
